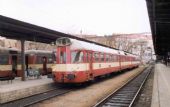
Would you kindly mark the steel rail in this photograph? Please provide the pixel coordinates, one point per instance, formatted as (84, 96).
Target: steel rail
(122, 97)
(27, 101)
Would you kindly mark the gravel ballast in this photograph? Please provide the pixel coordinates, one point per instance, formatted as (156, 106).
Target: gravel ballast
(90, 95)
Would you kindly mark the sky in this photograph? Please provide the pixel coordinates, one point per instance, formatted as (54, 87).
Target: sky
(96, 17)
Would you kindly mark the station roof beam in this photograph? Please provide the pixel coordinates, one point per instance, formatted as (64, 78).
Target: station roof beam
(159, 16)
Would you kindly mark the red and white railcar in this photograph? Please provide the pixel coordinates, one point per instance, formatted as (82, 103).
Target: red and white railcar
(79, 61)
(41, 60)
(9, 62)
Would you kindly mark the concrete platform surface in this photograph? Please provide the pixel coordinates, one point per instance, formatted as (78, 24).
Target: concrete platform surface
(20, 89)
(161, 87)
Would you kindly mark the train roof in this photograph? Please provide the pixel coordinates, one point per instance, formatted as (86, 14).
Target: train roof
(76, 45)
(8, 49)
(38, 52)
(80, 45)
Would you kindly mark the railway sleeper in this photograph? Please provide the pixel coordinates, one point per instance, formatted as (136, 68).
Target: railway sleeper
(117, 104)
(125, 94)
(120, 101)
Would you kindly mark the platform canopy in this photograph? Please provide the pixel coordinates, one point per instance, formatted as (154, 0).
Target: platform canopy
(15, 29)
(159, 15)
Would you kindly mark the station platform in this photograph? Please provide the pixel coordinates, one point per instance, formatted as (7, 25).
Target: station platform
(20, 89)
(161, 86)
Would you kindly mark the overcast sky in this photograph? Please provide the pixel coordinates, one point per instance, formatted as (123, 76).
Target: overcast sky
(101, 17)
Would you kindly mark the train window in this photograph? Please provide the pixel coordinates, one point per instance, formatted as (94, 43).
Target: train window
(49, 59)
(54, 55)
(107, 57)
(39, 60)
(90, 57)
(62, 57)
(19, 59)
(96, 57)
(114, 58)
(125, 58)
(102, 57)
(76, 56)
(4, 59)
(86, 57)
(73, 55)
(122, 58)
(110, 58)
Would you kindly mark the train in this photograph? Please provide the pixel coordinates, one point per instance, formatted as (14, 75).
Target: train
(41, 60)
(79, 61)
(10, 61)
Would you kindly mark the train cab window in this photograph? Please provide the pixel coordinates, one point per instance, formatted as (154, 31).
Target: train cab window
(86, 59)
(76, 56)
(62, 57)
(4, 59)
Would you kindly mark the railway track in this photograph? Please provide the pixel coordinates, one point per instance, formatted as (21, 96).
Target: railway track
(36, 98)
(126, 95)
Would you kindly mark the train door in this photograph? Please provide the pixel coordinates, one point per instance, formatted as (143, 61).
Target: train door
(90, 56)
(44, 60)
(26, 61)
(120, 60)
(14, 64)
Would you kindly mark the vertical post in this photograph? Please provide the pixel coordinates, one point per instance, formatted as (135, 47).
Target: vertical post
(151, 53)
(23, 59)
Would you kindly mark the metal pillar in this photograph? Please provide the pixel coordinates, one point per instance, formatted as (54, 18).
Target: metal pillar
(23, 59)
